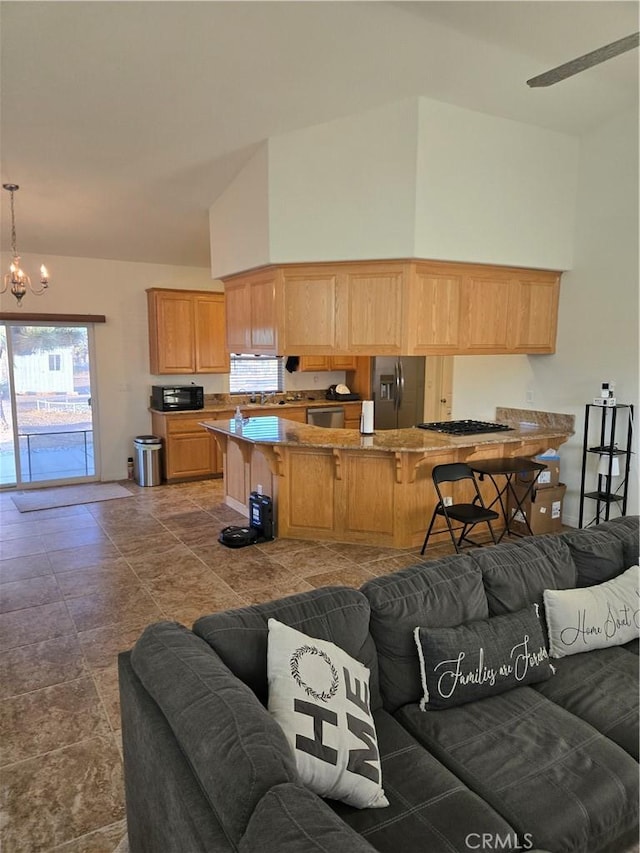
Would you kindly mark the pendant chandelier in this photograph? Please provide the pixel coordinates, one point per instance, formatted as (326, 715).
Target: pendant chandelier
(16, 279)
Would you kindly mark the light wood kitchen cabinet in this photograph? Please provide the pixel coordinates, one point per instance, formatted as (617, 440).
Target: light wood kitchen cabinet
(251, 314)
(186, 332)
(534, 314)
(188, 450)
(330, 313)
(318, 363)
(352, 415)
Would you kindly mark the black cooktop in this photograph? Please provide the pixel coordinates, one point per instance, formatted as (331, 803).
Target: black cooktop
(464, 427)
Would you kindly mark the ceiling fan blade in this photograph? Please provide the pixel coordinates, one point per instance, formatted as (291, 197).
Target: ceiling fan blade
(586, 61)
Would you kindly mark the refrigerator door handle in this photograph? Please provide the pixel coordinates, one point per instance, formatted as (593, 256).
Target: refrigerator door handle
(400, 392)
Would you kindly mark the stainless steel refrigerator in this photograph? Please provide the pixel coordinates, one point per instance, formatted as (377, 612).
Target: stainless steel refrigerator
(397, 391)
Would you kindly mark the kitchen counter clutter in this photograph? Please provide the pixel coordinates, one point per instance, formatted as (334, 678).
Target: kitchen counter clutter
(339, 485)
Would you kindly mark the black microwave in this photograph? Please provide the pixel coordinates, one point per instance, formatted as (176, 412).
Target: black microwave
(177, 398)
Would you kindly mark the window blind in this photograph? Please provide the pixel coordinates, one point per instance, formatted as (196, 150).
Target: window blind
(256, 373)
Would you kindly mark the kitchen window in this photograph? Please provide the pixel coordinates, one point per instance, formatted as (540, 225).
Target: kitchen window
(256, 373)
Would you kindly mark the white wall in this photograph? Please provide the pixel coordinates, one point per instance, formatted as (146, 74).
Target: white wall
(345, 189)
(491, 190)
(117, 290)
(598, 319)
(239, 220)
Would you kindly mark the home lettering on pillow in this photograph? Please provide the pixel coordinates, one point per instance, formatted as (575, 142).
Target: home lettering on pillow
(320, 697)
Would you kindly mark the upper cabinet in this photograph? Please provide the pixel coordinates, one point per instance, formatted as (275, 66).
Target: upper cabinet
(251, 317)
(324, 312)
(186, 331)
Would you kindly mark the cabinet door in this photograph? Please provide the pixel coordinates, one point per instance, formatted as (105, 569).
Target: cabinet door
(314, 363)
(534, 314)
(352, 415)
(171, 331)
(238, 315)
(372, 321)
(309, 307)
(262, 336)
(343, 362)
(190, 455)
(485, 314)
(434, 315)
(210, 350)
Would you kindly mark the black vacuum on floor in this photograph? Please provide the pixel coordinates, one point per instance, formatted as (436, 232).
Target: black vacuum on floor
(260, 527)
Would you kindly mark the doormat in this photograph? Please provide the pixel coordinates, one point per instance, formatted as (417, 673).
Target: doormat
(69, 496)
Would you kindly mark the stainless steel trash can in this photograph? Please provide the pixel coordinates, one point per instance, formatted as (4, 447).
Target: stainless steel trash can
(146, 460)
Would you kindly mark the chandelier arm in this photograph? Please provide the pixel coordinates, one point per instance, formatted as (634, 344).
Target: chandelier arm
(16, 279)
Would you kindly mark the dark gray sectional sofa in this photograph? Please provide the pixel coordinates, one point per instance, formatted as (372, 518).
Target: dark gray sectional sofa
(551, 766)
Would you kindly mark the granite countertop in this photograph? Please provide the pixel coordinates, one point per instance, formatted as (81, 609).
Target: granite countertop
(279, 431)
(214, 408)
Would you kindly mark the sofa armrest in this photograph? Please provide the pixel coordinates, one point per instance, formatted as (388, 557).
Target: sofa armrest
(236, 751)
(291, 819)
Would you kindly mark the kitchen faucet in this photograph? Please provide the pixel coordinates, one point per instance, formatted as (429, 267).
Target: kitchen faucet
(264, 396)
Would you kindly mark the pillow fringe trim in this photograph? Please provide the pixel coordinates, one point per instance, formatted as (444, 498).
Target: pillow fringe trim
(423, 674)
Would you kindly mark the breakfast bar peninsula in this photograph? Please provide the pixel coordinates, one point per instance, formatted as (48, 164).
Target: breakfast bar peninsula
(336, 484)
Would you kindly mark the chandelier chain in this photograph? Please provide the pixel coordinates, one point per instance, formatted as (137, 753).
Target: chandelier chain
(13, 227)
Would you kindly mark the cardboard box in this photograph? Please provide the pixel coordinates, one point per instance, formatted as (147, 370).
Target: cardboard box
(542, 509)
(548, 478)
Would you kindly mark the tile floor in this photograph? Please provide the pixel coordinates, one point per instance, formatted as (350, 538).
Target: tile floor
(77, 585)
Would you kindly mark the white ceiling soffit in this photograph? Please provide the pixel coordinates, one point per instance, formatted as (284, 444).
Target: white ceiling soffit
(123, 121)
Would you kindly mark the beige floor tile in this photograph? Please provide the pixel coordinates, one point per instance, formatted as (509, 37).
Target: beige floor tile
(74, 538)
(106, 681)
(145, 546)
(20, 568)
(49, 718)
(258, 596)
(62, 795)
(28, 668)
(256, 575)
(312, 561)
(33, 624)
(22, 547)
(123, 532)
(361, 553)
(183, 522)
(171, 562)
(187, 611)
(85, 555)
(120, 606)
(110, 576)
(101, 646)
(30, 592)
(355, 577)
(103, 840)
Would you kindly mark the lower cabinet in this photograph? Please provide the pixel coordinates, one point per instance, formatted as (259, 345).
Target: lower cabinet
(352, 415)
(189, 452)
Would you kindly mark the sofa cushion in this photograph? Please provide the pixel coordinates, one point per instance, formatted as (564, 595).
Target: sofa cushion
(579, 620)
(236, 750)
(337, 614)
(600, 687)
(481, 658)
(546, 771)
(319, 695)
(626, 528)
(598, 555)
(515, 574)
(290, 819)
(429, 808)
(441, 593)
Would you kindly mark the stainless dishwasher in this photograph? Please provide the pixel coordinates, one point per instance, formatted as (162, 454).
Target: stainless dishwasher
(326, 416)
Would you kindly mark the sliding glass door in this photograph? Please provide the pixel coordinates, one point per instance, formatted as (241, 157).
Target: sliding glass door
(46, 420)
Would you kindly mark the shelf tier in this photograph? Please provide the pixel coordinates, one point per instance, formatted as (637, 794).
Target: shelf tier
(604, 451)
(605, 497)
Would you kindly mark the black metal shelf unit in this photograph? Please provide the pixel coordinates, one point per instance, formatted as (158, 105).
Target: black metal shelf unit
(618, 417)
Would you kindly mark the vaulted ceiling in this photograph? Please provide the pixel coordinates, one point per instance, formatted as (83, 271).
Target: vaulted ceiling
(123, 121)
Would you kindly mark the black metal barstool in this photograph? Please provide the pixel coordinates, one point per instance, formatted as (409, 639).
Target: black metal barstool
(468, 514)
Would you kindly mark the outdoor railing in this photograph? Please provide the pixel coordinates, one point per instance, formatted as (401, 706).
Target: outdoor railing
(51, 445)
